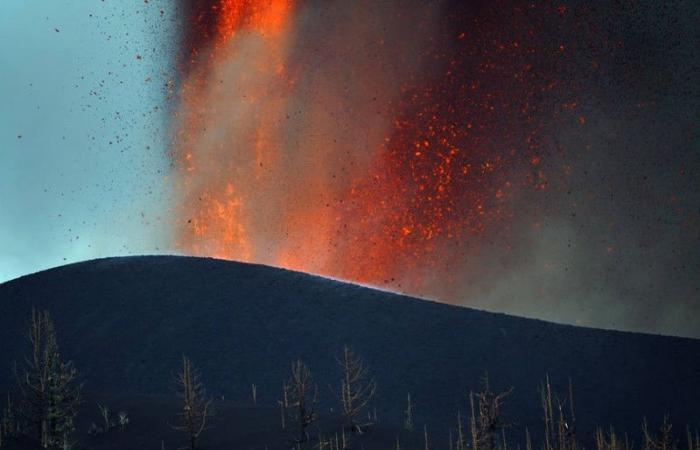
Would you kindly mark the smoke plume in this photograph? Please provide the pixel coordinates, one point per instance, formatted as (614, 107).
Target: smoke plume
(509, 156)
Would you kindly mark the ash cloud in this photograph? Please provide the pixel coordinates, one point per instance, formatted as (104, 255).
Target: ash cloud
(610, 238)
(616, 240)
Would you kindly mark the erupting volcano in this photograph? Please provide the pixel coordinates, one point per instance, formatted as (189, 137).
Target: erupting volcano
(372, 142)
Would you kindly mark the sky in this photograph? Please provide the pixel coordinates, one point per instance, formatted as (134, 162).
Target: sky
(82, 131)
(539, 159)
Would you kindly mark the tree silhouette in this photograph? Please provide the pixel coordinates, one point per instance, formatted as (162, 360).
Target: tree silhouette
(50, 396)
(356, 388)
(196, 407)
(298, 395)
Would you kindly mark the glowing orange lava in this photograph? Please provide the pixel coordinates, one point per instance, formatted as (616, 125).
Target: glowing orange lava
(215, 209)
(335, 162)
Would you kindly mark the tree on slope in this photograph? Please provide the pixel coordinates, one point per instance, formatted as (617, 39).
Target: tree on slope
(300, 397)
(486, 420)
(50, 394)
(196, 407)
(356, 387)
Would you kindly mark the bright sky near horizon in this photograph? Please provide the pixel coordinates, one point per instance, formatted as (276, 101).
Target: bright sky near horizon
(83, 137)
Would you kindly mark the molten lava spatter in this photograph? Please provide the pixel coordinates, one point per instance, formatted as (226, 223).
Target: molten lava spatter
(267, 17)
(344, 163)
(211, 200)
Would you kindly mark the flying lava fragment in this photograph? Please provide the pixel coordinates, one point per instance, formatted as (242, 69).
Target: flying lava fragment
(373, 143)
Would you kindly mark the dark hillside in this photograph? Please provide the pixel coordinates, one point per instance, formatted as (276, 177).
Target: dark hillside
(126, 322)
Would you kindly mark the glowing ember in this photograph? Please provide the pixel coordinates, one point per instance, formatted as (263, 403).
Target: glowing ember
(338, 162)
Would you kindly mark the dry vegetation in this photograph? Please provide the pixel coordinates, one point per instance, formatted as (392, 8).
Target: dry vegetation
(48, 398)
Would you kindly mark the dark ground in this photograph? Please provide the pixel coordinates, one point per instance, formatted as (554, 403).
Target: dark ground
(126, 322)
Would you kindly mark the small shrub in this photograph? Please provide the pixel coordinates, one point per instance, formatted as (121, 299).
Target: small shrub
(95, 430)
(123, 420)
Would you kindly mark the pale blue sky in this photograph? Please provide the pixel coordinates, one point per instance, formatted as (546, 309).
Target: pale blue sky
(83, 130)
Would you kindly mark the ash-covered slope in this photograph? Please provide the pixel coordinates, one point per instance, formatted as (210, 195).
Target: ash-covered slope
(126, 322)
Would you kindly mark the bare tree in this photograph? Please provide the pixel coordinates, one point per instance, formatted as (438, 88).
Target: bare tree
(559, 430)
(122, 420)
(50, 396)
(356, 387)
(8, 425)
(196, 407)
(299, 396)
(284, 404)
(486, 421)
(664, 441)
(693, 442)
(408, 414)
(611, 441)
(106, 416)
(461, 445)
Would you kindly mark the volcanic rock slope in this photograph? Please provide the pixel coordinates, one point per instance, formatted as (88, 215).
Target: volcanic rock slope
(126, 322)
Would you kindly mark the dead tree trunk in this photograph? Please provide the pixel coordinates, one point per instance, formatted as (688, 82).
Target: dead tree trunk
(356, 388)
(300, 397)
(8, 426)
(50, 396)
(196, 407)
(559, 432)
(408, 414)
(665, 439)
(486, 421)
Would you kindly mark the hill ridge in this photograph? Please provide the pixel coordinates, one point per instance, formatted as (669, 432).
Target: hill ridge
(395, 294)
(127, 321)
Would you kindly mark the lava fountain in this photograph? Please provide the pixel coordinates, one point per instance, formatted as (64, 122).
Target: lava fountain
(373, 142)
